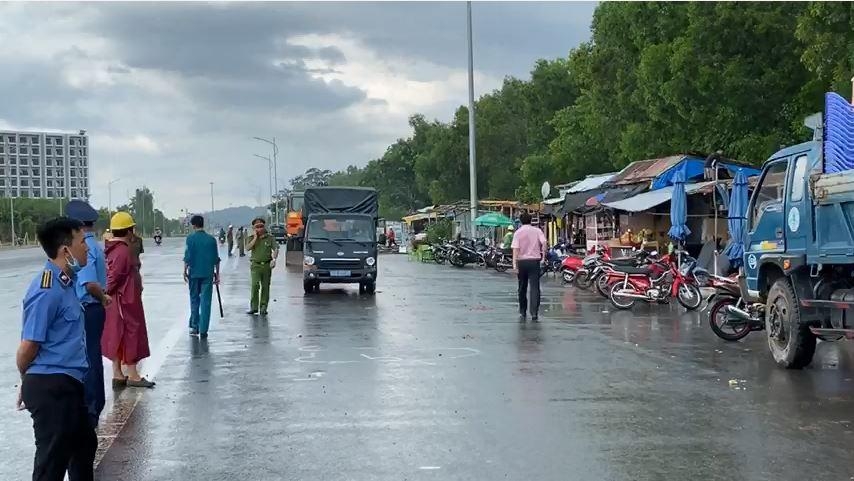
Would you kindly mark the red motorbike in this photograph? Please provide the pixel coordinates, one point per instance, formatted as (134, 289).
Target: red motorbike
(658, 282)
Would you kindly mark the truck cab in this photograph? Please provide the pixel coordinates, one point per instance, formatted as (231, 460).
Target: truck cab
(799, 245)
(340, 240)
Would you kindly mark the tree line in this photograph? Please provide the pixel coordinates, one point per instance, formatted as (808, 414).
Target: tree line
(30, 213)
(655, 78)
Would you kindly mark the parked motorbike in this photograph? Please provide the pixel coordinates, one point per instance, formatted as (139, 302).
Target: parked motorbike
(730, 317)
(647, 284)
(569, 268)
(440, 252)
(464, 252)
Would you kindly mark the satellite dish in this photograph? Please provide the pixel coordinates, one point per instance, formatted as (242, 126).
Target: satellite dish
(545, 189)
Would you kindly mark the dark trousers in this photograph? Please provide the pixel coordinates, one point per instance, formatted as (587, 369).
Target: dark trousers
(529, 277)
(201, 292)
(64, 438)
(94, 381)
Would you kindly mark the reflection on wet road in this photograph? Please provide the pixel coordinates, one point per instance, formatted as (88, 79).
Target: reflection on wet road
(434, 378)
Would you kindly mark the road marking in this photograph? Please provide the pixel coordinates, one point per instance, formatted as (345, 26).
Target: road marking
(124, 404)
(429, 468)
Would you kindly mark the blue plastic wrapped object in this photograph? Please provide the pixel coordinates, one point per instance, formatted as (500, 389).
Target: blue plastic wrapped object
(838, 134)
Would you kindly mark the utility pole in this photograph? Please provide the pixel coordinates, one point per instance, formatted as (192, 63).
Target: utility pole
(12, 208)
(142, 201)
(472, 167)
(275, 175)
(212, 199)
(110, 197)
(270, 177)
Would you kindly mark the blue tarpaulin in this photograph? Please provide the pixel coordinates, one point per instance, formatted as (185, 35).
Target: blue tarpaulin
(693, 169)
(737, 219)
(679, 209)
(838, 134)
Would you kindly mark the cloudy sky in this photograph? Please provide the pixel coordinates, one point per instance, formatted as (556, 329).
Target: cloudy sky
(172, 93)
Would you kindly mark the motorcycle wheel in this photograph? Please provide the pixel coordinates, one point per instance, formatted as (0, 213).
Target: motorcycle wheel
(718, 321)
(439, 257)
(602, 286)
(456, 261)
(689, 296)
(568, 275)
(617, 300)
(582, 279)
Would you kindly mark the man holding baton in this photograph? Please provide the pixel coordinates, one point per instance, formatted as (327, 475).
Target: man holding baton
(201, 272)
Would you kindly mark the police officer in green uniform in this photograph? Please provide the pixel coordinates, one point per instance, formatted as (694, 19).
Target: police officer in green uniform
(52, 359)
(241, 241)
(262, 260)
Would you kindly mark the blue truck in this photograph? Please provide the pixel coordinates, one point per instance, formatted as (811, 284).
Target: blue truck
(798, 271)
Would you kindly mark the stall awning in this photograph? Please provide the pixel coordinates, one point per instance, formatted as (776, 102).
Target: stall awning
(577, 200)
(648, 200)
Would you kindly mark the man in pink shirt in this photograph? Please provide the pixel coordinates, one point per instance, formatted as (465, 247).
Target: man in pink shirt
(529, 250)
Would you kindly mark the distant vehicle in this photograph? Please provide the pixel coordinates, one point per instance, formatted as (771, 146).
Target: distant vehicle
(278, 232)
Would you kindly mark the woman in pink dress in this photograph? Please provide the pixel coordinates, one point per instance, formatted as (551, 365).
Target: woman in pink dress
(125, 338)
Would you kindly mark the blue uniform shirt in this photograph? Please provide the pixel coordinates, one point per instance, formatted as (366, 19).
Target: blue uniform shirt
(53, 318)
(201, 255)
(95, 270)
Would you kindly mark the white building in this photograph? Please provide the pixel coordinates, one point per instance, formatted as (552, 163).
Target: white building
(44, 165)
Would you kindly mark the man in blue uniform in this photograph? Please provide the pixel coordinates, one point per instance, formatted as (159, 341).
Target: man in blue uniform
(201, 272)
(52, 359)
(91, 285)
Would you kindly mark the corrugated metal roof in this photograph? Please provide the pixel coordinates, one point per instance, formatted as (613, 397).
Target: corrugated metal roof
(645, 170)
(648, 200)
(590, 182)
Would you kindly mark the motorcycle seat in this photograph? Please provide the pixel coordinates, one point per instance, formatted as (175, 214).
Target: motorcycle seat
(624, 261)
(632, 269)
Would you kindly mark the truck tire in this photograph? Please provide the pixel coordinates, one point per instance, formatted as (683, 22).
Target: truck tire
(310, 286)
(371, 288)
(792, 345)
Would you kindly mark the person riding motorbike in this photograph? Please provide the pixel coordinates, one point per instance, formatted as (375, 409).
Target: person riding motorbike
(158, 236)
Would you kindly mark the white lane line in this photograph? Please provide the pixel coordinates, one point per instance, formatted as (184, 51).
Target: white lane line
(429, 468)
(115, 420)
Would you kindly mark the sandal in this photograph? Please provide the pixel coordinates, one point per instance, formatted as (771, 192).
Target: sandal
(120, 383)
(143, 382)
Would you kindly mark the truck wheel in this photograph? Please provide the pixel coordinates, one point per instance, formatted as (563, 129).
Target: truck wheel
(792, 345)
(309, 286)
(371, 288)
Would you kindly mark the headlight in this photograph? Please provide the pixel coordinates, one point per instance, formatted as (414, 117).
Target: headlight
(370, 261)
(308, 260)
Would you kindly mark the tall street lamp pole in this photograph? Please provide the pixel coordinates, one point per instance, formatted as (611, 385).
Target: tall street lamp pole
(472, 168)
(110, 197)
(12, 208)
(270, 178)
(212, 198)
(275, 172)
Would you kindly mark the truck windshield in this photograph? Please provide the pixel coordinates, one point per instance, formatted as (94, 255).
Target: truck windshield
(297, 203)
(341, 229)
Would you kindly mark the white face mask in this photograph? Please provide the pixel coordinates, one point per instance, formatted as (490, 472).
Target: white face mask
(72, 262)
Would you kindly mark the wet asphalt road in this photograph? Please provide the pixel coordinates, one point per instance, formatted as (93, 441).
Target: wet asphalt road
(435, 378)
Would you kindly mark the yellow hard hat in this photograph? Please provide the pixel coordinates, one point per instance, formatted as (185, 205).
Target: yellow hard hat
(121, 221)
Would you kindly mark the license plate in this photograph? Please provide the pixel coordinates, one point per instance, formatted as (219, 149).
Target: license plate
(339, 273)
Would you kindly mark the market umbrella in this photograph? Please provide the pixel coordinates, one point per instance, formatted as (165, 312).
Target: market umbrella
(493, 219)
(737, 218)
(679, 231)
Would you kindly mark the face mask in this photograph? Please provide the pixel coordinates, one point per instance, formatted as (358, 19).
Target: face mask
(72, 262)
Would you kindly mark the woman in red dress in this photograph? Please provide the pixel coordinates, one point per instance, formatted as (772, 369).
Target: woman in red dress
(125, 338)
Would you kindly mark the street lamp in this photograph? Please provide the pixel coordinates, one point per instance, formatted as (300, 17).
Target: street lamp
(270, 178)
(110, 197)
(275, 170)
(472, 168)
(212, 199)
